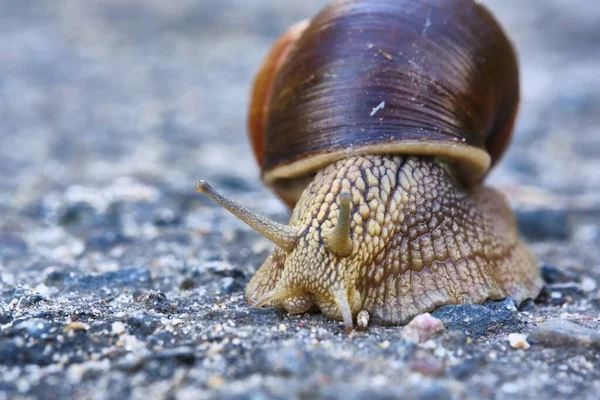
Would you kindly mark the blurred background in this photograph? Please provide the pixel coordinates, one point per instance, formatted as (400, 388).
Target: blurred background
(118, 280)
(109, 102)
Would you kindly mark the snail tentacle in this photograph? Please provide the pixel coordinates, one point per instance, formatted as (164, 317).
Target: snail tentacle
(338, 239)
(341, 298)
(281, 235)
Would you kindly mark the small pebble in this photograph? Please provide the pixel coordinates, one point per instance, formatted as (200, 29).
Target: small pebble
(130, 343)
(23, 385)
(477, 320)
(518, 341)
(588, 284)
(42, 289)
(118, 328)
(215, 382)
(164, 216)
(556, 332)
(362, 320)
(427, 364)
(552, 274)
(422, 328)
(76, 326)
(384, 345)
(282, 328)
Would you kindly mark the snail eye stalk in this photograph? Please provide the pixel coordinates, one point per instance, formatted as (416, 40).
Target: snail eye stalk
(338, 239)
(283, 236)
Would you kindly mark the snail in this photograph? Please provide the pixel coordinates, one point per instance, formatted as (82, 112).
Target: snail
(377, 121)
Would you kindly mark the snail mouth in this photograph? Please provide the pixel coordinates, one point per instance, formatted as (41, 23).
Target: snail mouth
(335, 304)
(299, 304)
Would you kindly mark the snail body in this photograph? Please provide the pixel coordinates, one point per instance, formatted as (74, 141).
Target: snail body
(377, 121)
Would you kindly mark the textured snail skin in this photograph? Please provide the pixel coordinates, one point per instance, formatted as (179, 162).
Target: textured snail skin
(377, 121)
(419, 240)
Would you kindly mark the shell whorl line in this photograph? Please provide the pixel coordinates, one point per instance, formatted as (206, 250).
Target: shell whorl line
(441, 76)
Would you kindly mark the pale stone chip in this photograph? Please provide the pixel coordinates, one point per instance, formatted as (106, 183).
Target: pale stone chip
(362, 320)
(518, 341)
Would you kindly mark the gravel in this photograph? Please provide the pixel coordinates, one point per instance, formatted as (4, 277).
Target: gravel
(117, 280)
(562, 332)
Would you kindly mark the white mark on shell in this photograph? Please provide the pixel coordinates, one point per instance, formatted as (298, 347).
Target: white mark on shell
(379, 107)
(427, 24)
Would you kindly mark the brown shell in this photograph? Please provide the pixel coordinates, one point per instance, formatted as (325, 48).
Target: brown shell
(429, 77)
(259, 100)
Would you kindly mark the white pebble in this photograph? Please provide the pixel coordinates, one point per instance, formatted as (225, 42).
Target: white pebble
(362, 320)
(518, 341)
(588, 284)
(118, 328)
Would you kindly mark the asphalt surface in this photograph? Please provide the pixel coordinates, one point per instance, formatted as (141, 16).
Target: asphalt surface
(117, 280)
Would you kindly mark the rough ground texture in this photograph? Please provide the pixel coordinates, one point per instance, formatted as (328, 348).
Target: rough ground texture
(118, 281)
